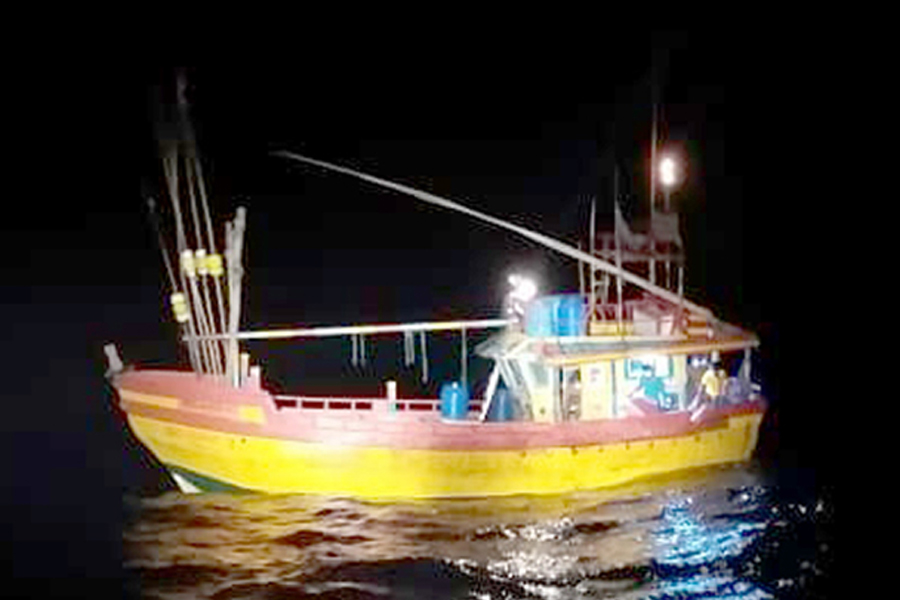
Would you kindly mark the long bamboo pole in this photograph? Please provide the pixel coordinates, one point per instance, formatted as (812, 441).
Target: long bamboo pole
(366, 329)
(170, 167)
(212, 248)
(173, 282)
(532, 235)
(187, 142)
(204, 300)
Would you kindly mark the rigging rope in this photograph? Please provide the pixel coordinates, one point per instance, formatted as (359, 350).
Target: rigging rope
(154, 221)
(409, 349)
(362, 350)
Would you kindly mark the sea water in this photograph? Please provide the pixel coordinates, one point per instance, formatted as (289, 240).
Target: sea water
(723, 532)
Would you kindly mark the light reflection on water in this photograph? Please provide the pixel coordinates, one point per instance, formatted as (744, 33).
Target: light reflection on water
(712, 533)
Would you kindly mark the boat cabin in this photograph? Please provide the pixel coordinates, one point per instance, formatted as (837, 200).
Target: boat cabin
(654, 367)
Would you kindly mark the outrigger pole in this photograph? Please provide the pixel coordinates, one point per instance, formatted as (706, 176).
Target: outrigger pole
(540, 238)
(597, 263)
(361, 330)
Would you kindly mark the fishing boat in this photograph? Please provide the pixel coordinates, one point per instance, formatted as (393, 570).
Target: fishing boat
(586, 390)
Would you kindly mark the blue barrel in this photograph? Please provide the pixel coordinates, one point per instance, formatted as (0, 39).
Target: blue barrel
(540, 316)
(454, 401)
(570, 315)
(501, 407)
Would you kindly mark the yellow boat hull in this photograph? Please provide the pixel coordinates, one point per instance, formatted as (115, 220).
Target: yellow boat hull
(220, 460)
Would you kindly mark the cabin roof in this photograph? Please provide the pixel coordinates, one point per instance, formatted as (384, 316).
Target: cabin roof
(559, 351)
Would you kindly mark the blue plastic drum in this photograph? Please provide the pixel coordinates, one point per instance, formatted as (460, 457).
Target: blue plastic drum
(540, 316)
(571, 313)
(454, 401)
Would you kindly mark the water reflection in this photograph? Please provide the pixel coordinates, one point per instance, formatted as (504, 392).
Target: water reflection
(694, 553)
(709, 533)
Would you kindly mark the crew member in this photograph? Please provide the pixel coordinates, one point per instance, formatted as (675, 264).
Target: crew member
(711, 384)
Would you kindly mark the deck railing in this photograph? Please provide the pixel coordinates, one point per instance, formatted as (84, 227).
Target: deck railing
(364, 404)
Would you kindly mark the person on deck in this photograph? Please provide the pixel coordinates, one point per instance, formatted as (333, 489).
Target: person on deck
(653, 387)
(711, 385)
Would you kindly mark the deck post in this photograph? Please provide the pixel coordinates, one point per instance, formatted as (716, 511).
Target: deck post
(464, 359)
(620, 325)
(593, 250)
(235, 274)
(580, 273)
(493, 380)
(424, 357)
(245, 367)
(615, 392)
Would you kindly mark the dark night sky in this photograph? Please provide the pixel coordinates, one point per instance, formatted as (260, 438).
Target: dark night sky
(520, 143)
(524, 138)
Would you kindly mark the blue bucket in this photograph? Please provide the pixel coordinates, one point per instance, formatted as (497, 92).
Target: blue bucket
(454, 401)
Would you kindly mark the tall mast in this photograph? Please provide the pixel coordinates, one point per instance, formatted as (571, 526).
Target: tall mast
(619, 275)
(593, 248)
(234, 248)
(653, 176)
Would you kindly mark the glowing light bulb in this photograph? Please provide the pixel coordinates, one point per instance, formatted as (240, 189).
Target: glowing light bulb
(667, 171)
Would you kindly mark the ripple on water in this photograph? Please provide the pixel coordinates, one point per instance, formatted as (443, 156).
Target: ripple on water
(714, 536)
(307, 537)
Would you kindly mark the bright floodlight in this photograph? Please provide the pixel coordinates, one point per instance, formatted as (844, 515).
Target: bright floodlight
(667, 171)
(524, 289)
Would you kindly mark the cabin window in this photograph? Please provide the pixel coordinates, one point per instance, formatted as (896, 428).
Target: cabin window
(651, 379)
(571, 393)
(660, 365)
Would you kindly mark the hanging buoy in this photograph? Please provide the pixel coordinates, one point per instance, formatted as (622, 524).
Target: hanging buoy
(179, 307)
(214, 265)
(187, 263)
(354, 350)
(200, 261)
